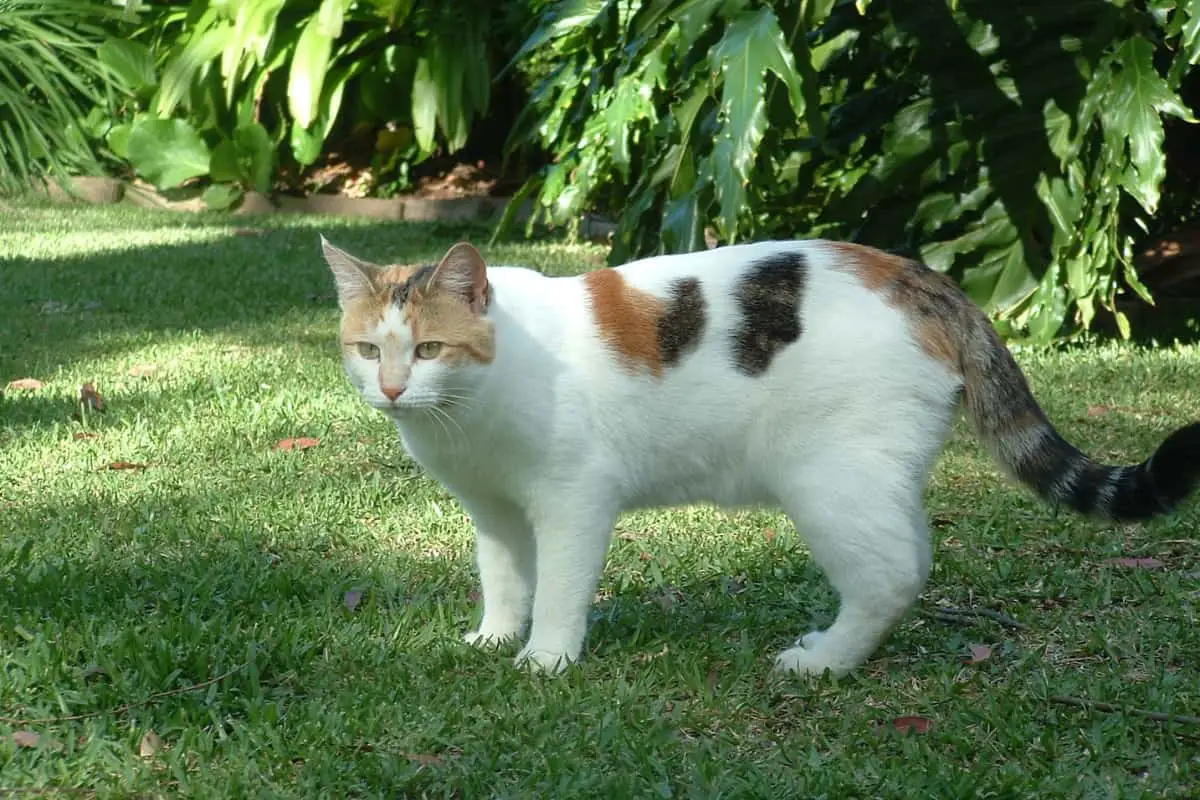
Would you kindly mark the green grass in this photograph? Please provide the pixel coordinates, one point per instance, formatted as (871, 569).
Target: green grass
(227, 557)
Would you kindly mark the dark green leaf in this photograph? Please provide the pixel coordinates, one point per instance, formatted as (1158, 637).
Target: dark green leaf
(1137, 96)
(255, 144)
(130, 61)
(167, 152)
(219, 196)
(224, 166)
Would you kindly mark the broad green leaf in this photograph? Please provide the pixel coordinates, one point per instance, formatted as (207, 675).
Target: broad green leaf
(1064, 207)
(424, 104)
(563, 18)
(1137, 96)
(252, 33)
(449, 71)
(255, 145)
(1123, 324)
(683, 224)
(118, 139)
(310, 61)
(1191, 29)
(630, 104)
(225, 166)
(130, 61)
(167, 152)
(220, 196)
(685, 112)
(331, 15)
(752, 45)
(180, 75)
(306, 144)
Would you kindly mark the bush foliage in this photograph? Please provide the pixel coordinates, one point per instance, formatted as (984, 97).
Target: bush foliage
(51, 79)
(1016, 145)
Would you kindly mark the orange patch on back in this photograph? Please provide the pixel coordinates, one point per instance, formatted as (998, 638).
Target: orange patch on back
(628, 319)
(931, 301)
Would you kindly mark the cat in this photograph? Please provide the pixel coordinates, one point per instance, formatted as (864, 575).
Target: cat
(814, 376)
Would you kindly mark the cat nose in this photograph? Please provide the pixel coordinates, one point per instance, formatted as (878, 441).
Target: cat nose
(392, 392)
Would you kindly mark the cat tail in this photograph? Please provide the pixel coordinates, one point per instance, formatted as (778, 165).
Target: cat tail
(1020, 437)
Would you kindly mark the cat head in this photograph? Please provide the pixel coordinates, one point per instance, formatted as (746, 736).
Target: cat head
(414, 337)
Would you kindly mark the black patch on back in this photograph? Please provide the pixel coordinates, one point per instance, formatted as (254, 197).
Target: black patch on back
(769, 298)
(420, 277)
(683, 321)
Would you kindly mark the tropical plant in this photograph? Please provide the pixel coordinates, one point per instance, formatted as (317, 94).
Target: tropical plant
(1018, 147)
(50, 79)
(235, 87)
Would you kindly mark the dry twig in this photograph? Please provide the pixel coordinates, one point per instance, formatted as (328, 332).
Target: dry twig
(945, 614)
(1108, 708)
(122, 709)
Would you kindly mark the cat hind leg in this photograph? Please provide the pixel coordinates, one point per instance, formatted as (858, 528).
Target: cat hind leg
(870, 538)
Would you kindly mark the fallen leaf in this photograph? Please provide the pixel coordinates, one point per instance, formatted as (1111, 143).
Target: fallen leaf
(1136, 563)
(979, 653)
(301, 443)
(143, 370)
(628, 536)
(473, 596)
(124, 465)
(423, 758)
(1098, 410)
(151, 744)
(26, 739)
(90, 398)
(644, 556)
(917, 724)
(353, 598)
(31, 740)
(84, 435)
(769, 535)
(28, 384)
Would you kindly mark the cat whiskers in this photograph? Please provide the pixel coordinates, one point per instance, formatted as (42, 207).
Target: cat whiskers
(444, 419)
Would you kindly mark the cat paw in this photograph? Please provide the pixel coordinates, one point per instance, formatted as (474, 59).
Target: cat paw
(807, 659)
(486, 639)
(543, 662)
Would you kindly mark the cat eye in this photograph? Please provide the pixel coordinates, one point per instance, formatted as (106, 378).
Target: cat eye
(428, 349)
(368, 350)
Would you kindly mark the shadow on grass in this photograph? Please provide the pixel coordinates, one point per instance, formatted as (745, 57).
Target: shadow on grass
(172, 587)
(238, 276)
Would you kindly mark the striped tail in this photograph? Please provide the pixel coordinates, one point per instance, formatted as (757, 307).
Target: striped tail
(1023, 440)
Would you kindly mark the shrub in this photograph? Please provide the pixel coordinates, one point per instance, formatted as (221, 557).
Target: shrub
(1018, 147)
(50, 80)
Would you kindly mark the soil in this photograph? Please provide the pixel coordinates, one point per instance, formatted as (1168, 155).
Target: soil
(438, 178)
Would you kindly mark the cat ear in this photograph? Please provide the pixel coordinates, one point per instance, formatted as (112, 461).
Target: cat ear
(463, 272)
(354, 276)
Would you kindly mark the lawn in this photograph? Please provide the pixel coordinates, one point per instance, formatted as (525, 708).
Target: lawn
(225, 617)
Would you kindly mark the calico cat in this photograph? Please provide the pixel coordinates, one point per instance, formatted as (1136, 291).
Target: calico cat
(814, 376)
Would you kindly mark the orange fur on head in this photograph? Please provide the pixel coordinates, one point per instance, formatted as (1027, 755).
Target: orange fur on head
(444, 304)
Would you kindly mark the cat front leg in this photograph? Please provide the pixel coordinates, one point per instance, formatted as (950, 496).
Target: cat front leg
(505, 554)
(572, 535)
